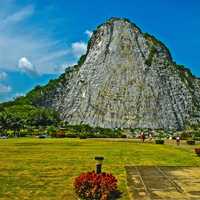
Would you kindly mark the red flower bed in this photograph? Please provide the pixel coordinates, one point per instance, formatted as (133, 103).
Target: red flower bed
(197, 150)
(93, 186)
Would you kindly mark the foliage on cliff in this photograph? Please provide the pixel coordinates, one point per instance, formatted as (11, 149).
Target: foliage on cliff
(105, 99)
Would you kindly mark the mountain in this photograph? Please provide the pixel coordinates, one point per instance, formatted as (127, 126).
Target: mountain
(127, 79)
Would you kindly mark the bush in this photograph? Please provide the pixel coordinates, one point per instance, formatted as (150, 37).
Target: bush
(160, 137)
(149, 60)
(90, 186)
(191, 142)
(71, 135)
(83, 136)
(159, 141)
(51, 129)
(196, 138)
(53, 135)
(60, 134)
(93, 132)
(196, 135)
(185, 135)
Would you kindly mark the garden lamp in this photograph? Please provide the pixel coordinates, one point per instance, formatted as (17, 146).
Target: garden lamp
(99, 160)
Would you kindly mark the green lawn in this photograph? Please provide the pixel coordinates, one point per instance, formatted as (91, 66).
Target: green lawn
(45, 168)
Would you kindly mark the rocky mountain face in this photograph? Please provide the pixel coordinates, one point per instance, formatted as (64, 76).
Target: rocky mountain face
(127, 79)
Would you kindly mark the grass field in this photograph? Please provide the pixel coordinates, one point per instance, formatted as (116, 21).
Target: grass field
(41, 169)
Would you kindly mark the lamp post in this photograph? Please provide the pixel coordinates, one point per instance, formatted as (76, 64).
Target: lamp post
(99, 160)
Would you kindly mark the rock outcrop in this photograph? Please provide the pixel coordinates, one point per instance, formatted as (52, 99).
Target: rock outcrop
(127, 79)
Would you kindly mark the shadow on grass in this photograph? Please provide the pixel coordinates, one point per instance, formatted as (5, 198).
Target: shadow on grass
(115, 195)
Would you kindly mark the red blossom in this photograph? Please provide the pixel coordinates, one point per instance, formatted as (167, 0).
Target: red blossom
(93, 186)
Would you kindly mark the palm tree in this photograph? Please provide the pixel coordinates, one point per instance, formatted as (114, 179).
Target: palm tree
(4, 121)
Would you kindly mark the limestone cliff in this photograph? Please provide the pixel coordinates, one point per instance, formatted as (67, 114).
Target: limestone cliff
(127, 79)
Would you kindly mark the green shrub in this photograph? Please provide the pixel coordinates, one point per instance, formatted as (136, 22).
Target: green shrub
(191, 142)
(159, 141)
(83, 136)
(149, 60)
(185, 135)
(71, 135)
(51, 129)
(82, 59)
(196, 135)
(196, 138)
(93, 132)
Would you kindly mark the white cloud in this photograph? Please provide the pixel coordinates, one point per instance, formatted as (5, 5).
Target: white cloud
(3, 76)
(54, 55)
(33, 40)
(79, 48)
(5, 88)
(64, 66)
(20, 39)
(26, 66)
(19, 95)
(17, 16)
(89, 33)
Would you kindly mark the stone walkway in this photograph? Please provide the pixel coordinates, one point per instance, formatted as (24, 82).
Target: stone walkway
(163, 183)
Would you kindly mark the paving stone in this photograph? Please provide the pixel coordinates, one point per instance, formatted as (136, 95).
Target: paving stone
(163, 183)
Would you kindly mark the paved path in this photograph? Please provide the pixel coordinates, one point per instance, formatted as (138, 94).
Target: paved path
(163, 183)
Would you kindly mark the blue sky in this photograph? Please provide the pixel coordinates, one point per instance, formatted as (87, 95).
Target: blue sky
(40, 38)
